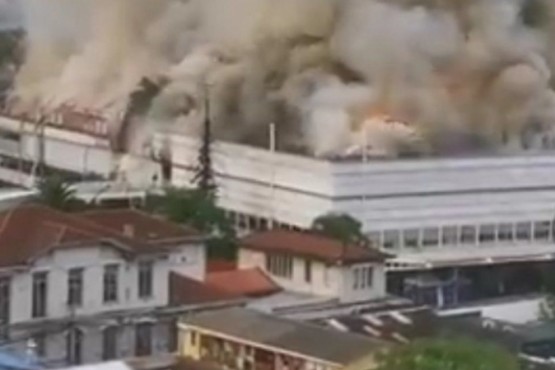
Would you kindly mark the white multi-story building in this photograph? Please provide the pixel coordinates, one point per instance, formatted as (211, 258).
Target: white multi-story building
(90, 286)
(430, 213)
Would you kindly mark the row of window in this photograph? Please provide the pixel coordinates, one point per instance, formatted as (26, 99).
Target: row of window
(110, 343)
(465, 234)
(75, 287)
(282, 266)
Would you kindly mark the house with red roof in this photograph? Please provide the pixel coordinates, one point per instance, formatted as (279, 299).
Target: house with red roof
(309, 263)
(98, 285)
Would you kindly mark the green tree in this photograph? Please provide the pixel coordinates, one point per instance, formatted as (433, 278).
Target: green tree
(198, 209)
(56, 193)
(341, 227)
(452, 354)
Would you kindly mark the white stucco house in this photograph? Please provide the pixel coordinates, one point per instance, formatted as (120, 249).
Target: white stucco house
(317, 273)
(85, 287)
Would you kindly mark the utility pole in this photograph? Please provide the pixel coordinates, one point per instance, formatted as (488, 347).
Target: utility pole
(273, 180)
(204, 178)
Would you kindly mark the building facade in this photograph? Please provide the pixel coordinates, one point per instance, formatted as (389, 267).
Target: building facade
(312, 264)
(242, 339)
(93, 286)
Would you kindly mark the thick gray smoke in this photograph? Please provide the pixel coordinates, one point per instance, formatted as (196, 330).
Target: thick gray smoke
(448, 72)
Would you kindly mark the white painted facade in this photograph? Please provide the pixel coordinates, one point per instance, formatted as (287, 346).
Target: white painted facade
(325, 280)
(405, 205)
(94, 315)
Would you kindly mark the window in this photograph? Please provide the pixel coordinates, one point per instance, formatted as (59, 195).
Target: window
(411, 238)
(143, 339)
(523, 230)
(75, 287)
(145, 279)
(4, 305)
(391, 239)
(111, 283)
(487, 233)
(194, 336)
(40, 291)
(505, 232)
(110, 343)
(430, 237)
(363, 277)
(449, 235)
(541, 230)
(307, 270)
(74, 346)
(279, 265)
(369, 277)
(468, 235)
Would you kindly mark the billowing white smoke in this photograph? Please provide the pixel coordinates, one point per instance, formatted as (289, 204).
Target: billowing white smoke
(315, 68)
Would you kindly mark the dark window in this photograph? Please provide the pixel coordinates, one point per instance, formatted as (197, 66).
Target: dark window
(411, 238)
(369, 277)
(40, 292)
(430, 237)
(111, 283)
(143, 339)
(505, 232)
(307, 271)
(450, 235)
(110, 343)
(390, 239)
(4, 305)
(145, 279)
(541, 230)
(74, 346)
(487, 233)
(523, 230)
(75, 287)
(468, 235)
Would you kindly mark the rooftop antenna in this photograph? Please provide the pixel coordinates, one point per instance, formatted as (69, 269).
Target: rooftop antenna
(204, 178)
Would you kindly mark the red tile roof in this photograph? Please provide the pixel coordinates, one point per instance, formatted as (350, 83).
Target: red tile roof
(29, 231)
(310, 245)
(142, 225)
(247, 283)
(187, 291)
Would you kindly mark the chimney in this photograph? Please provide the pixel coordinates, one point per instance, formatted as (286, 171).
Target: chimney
(129, 230)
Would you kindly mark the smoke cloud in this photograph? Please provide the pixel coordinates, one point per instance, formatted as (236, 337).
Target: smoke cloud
(439, 75)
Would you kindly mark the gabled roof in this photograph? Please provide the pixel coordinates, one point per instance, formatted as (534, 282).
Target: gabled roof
(311, 245)
(248, 283)
(287, 335)
(143, 226)
(28, 231)
(187, 291)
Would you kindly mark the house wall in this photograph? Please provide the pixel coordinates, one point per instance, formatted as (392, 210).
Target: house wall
(327, 280)
(55, 341)
(187, 260)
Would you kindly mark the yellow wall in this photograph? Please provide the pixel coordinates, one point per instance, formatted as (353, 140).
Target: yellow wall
(189, 343)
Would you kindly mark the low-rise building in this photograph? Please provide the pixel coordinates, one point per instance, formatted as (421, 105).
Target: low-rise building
(84, 287)
(242, 339)
(310, 263)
